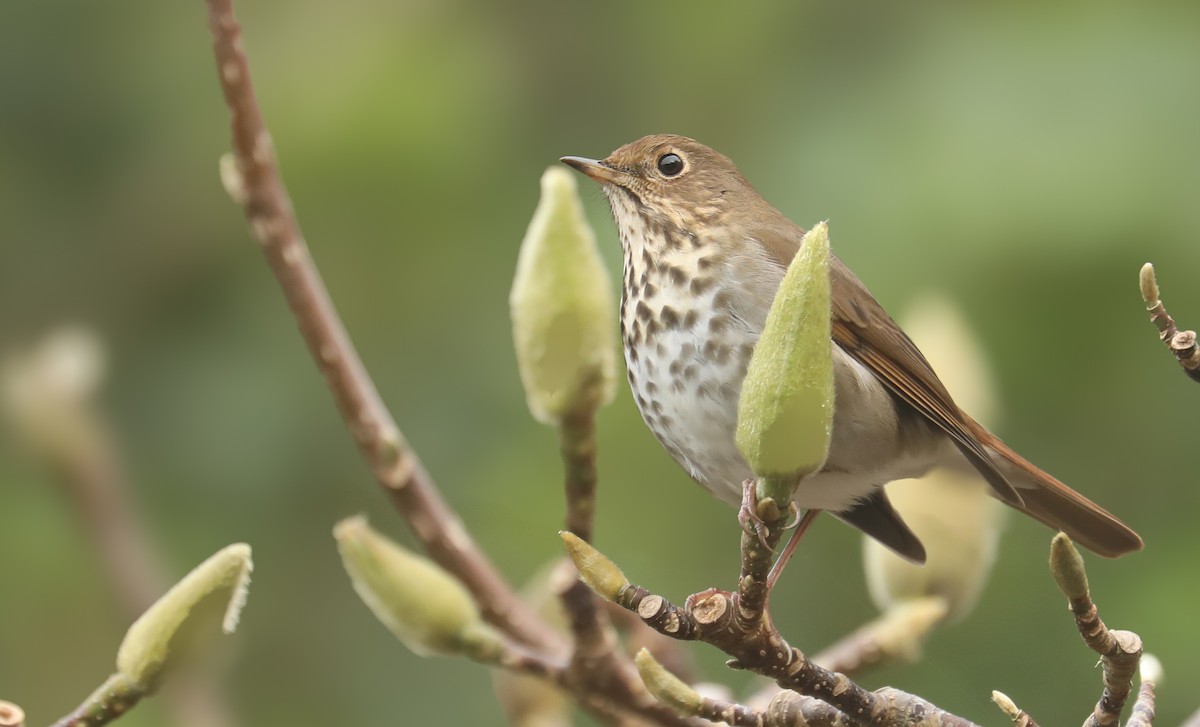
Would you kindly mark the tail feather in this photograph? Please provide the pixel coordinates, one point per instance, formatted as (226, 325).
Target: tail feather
(1053, 503)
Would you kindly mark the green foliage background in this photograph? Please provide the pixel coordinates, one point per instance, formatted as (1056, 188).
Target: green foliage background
(1023, 158)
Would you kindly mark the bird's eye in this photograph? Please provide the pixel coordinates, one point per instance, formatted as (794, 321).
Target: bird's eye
(670, 165)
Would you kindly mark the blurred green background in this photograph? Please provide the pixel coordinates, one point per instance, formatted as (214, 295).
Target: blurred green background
(1024, 158)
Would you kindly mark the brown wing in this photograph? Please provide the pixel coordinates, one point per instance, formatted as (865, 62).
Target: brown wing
(865, 331)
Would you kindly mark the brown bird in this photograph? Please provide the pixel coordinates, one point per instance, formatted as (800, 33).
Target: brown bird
(704, 255)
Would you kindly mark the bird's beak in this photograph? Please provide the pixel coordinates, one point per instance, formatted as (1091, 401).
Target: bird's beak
(596, 169)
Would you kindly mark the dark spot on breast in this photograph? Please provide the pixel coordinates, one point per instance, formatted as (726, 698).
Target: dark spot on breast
(722, 300)
(716, 352)
(674, 368)
(690, 371)
(649, 290)
(669, 318)
(689, 319)
(701, 284)
(642, 311)
(677, 275)
(718, 324)
(705, 263)
(686, 351)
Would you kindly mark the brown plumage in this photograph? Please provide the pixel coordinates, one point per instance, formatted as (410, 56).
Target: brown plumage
(704, 255)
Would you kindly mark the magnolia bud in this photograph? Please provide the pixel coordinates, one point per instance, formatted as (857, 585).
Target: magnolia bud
(177, 623)
(785, 413)
(562, 308)
(423, 605)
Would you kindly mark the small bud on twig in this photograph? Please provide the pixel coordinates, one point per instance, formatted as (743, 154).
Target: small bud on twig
(666, 687)
(1151, 669)
(1066, 565)
(785, 414)
(215, 591)
(562, 304)
(595, 569)
(423, 605)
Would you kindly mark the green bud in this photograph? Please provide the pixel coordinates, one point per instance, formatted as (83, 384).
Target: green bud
(563, 312)
(1066, 565)
(186, 616)
(423, 605)
(595, 569)
(785, 414)
(666, 687)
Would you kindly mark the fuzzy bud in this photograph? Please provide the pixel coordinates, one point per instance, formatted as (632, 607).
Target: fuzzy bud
(665, 686)
(423, 605)
(562, 309)
(785, 414)
(179, 622)
(595, 569)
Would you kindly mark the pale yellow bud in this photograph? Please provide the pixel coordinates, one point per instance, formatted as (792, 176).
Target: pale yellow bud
(563, 312)
(950, 511)
(785, 414)
(665, 686)
(1066, 565)
(46, 392)
(186, 617)
(595, 569)
(423, 605)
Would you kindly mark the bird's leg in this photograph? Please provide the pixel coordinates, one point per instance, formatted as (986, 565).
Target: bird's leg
(801, 527)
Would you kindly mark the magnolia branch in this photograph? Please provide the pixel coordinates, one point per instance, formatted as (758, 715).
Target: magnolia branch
(254, 181)
(713, 617)
(1120, 651)
(1181, 343)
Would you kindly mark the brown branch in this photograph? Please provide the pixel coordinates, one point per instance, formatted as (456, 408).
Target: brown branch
(11, 715)
(1119, 651)
(709, 617)
(638, 636)
(258, 187)
(1181, 343)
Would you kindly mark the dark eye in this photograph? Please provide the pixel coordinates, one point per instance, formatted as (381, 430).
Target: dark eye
(670, 165)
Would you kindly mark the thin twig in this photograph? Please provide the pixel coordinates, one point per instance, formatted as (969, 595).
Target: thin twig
(1181, 343)
(1142, 714)
(1119, 651)
(114, 698)
(260, 190)
(594, 642)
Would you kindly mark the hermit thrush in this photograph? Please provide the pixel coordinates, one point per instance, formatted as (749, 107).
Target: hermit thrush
(704, 255)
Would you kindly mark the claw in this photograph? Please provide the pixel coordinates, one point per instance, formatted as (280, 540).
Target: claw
(748, 517)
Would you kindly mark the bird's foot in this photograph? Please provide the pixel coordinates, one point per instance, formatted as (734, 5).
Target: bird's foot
(752, 523)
